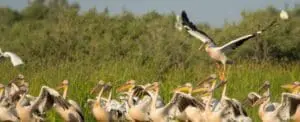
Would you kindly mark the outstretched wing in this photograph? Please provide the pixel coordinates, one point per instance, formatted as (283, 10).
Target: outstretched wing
(47, 98)
(183, 101)
(289, 105)
(77, 108)
(194, 31)
(15, 60)
(238, 42)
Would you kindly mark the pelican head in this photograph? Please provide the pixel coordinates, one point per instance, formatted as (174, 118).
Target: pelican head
(19, 80)
(207, 80)
(260, 101)
(265, 86)
(99, 85)
(64, 84)
(293, 87)
(204, 86)
(127, 86)
(20, 76)
(107, 86)
(186, 88)
(154, 86)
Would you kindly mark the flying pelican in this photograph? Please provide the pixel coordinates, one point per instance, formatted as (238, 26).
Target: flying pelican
(15, 60)
(215, 52)
(26, 112)
(73, 112)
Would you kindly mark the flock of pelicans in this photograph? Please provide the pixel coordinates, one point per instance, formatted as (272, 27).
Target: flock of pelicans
(142, 102)
(138, 102)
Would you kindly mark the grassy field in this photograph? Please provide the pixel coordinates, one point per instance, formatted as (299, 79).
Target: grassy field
(58, 42)
(243, 77)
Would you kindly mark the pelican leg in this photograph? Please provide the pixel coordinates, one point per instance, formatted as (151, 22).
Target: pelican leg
(219, 69)
(223, 74)
(224, 90)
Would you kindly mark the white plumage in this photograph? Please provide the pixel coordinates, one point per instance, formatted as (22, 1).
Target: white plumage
(284, 15)
(15, 59)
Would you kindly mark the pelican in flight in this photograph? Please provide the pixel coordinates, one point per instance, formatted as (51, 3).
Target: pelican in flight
(73, 112)
(215, 52)
(15, 60)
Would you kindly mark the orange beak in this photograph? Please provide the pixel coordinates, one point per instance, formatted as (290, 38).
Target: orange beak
(60, 86)
(125, 87)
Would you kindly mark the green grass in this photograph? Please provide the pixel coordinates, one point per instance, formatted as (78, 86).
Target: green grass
(243, 78)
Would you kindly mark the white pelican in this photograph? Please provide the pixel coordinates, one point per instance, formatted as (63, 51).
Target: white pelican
(268, 112)
(7, 112)
(175, 113)
(73, 112)
(180, 101)
(15, 60)
(104, 110)
(14, 85)
(99, 112)
(290, 107)
(46, 98)
(138, 111)
(209, 115)
(215, 52)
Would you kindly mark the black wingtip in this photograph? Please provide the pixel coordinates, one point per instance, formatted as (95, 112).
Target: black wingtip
(184, 17)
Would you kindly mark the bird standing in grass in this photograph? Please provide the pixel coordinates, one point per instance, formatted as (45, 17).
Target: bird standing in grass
(99, 112)
(73, 112)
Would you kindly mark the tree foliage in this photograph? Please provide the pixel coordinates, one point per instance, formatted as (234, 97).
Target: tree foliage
(58, 32)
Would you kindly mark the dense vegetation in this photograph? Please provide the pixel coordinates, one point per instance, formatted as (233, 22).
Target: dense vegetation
(58, 41)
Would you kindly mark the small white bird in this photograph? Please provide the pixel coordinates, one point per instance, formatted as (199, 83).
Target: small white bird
(15, 60)
(284, 15)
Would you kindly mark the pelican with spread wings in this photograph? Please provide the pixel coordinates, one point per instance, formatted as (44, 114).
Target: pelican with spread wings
(215, 52)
